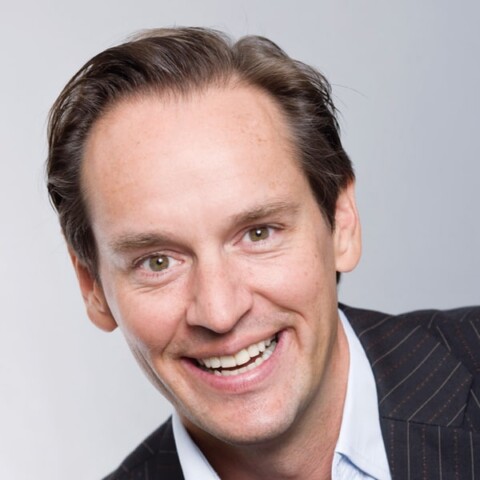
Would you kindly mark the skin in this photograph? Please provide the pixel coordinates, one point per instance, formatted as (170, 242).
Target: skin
(210, 185)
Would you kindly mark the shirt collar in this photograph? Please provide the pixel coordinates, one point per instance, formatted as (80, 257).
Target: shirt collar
(194, 464)
(360, 438)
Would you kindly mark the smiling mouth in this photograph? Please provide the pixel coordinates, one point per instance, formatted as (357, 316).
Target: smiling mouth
(243, 361)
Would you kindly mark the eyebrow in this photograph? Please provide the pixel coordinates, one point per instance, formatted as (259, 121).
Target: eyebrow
(258, 213)
(136, 241)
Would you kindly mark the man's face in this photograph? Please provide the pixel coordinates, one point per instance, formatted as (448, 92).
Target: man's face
(212, 249)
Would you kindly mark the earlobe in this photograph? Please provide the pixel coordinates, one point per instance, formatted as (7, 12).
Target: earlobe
(93, 296)
(347, 234)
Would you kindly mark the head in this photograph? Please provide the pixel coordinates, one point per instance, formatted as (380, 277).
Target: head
(179, 62)
(208, 205)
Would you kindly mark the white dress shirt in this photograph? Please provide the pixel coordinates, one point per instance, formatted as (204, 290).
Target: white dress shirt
(359, 452)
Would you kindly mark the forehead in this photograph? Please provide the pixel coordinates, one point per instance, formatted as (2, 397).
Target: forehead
(223, 146)
(237, 116)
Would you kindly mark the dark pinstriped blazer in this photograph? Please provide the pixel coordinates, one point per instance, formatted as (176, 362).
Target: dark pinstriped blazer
(427, 368)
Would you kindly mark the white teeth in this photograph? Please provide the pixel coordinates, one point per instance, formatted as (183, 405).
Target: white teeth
(253, 350)
(242, 357)
(215, 362)
(228, 361)
(268, 353)
(264, 348)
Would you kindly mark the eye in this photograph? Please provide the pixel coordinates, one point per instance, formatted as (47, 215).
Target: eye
(156, 263)
(258, 233)
(157, 268)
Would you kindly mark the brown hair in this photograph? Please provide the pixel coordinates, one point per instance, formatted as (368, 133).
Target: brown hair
(179, 61)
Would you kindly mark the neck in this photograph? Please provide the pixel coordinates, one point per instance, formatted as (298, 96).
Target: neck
(304, 451)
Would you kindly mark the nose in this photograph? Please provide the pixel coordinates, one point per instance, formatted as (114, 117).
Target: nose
(220, 296)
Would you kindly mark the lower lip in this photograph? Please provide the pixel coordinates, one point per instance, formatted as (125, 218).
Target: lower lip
(243, 382)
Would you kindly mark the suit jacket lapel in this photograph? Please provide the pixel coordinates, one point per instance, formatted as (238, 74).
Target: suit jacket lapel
(423, 391)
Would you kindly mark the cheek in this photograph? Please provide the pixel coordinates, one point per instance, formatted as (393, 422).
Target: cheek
(148, 319)
(301, 280)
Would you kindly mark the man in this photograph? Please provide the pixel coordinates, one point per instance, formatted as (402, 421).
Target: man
(209, 209)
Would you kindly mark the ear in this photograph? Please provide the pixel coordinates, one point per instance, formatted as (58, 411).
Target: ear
(347, 235)
(93, 296)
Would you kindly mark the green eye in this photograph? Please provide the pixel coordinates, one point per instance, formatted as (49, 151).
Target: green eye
(257, 234)
(158, 263)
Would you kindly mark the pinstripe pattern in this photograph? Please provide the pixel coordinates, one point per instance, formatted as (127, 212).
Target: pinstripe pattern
(427, 369)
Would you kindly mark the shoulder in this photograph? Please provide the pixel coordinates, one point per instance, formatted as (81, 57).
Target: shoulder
(428, 318)
(457, 329)
(426, 364)
(156, 457)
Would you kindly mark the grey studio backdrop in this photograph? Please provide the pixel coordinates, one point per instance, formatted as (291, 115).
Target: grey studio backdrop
(406, 78)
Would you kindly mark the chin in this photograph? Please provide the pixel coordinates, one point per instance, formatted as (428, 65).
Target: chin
(254, 428)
